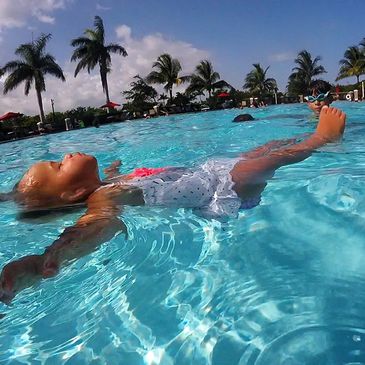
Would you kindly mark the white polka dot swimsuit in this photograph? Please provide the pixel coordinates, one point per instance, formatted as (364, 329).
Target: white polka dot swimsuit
(207, 189)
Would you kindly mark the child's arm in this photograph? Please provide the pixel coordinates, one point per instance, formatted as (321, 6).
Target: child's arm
(99, 224)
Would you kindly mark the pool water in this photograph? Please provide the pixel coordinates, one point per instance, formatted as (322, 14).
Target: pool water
(282, 284)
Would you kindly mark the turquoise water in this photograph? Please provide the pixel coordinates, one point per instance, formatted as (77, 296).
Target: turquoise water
(282, 284)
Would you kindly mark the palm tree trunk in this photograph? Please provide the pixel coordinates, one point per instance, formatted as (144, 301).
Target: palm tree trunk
(40, 104)
(170, 90)
(104, 81)
(106, 89)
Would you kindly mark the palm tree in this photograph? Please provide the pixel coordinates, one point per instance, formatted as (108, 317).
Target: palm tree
(140, 91)
(257, 83)
(31, 68)
(91, 51)
(204, 78)
(163, 98)
(296, 85)
(306, 70)
(167, 73)
(353, 64)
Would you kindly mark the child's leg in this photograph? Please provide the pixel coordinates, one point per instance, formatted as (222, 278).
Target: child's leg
(268, 147)
(250, 175)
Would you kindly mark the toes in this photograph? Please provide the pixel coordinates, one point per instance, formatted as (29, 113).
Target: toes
(326, 110)
(343, 116)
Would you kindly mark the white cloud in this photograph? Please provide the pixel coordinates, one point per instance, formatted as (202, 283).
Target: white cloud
(283, 56)
(86, 90)
(124, 32)
(46, 18)
(101, 7)
(15, 13)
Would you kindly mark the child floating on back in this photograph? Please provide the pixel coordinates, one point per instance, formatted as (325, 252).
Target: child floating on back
(217, 188)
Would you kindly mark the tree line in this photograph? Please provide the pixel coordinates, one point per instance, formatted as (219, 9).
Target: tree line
(91, 50)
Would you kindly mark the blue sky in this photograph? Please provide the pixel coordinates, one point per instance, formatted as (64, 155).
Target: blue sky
(232, 34)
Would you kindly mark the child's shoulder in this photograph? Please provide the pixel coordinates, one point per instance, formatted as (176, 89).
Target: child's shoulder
(106, 191)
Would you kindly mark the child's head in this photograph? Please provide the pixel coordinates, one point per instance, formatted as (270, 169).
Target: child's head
(319, 95)
(51, 183)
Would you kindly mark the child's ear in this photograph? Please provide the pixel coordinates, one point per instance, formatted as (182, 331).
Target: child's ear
(73, 196)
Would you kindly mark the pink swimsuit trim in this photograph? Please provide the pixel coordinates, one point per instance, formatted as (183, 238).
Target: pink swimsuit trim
(146, 171)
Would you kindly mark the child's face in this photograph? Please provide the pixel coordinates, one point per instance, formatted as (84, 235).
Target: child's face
(317, 102)
(76, 175)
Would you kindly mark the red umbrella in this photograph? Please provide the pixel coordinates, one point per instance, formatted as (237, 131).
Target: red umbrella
(110, 104)
(10, 115)
(223, 95)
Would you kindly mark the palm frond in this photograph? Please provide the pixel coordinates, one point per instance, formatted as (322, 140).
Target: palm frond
(81, 42)
(13, 65)
(16, 78)
(353, 63)
(99, 29)
(40, 43)
(155, 77)
(28, 85)
(116, 48)
(52, 68)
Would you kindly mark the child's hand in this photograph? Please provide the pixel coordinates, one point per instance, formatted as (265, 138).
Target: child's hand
(18, 275)
(113, 169)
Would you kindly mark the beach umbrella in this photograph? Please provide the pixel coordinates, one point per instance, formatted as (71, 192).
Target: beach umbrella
(223, 95)
(110, 105)
(9, 115)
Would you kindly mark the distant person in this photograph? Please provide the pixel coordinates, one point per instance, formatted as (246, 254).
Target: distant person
(220, 187)
(319, 96)
(243, 118)
(96, 122)
(242, 105)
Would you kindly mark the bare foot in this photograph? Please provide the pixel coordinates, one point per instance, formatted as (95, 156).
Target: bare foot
(331, 124)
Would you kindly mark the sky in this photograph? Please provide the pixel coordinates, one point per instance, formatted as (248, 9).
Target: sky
(232, 34)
